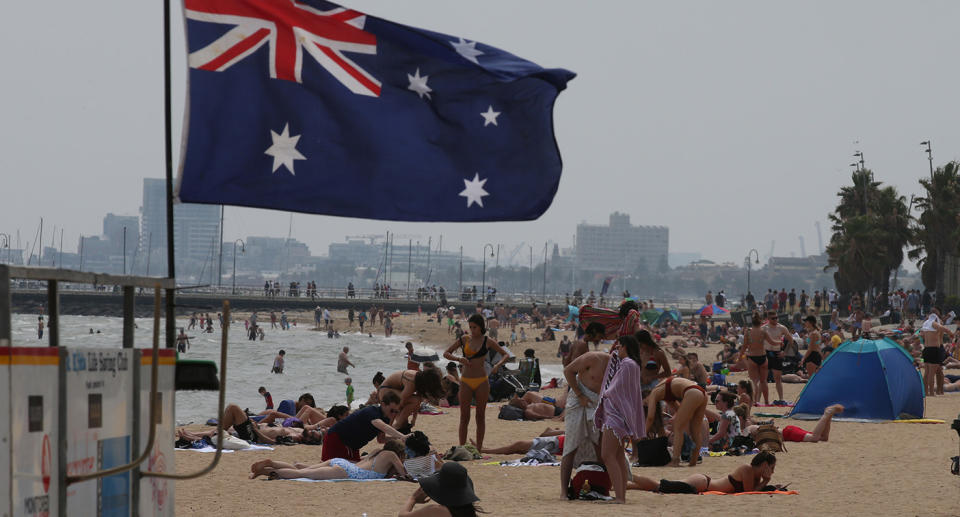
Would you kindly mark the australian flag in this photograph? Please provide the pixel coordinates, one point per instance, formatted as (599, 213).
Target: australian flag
(305, 106)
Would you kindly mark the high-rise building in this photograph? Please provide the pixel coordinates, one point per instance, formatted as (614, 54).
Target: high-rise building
(621, 247)
(114, 227)
(196, 228)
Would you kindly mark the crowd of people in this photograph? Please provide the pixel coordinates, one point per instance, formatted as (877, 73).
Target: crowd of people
(624, 393)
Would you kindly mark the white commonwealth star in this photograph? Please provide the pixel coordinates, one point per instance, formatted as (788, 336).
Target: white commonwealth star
(284, 149)
(419, 84)
(467, 49)
(473, 191)
(490, 117)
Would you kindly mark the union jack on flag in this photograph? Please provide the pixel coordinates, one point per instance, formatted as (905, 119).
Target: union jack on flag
(306, 106)
(288, 28)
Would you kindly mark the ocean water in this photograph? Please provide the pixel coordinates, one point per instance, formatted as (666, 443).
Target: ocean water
(310, 366)
(310, 361)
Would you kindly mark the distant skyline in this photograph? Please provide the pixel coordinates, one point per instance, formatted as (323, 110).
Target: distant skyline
(731, 123)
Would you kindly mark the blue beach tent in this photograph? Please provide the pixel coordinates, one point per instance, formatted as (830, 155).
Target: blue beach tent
(874, 379)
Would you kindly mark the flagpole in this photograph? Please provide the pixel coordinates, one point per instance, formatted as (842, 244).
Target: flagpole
(171, 324)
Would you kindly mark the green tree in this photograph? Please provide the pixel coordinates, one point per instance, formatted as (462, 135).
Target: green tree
(871, 228)
(936, 228)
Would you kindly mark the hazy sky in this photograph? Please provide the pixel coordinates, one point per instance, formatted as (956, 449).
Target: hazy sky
(733, 123)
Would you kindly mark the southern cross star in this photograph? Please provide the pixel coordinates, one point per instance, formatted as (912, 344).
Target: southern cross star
(284, 149)
(467, 49)
(418, 84)
(473, 191)
(490, 117)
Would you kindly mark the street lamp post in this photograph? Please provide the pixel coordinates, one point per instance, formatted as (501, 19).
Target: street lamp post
(929, 152)
(752, 251)
(483, 282)
(243, 249)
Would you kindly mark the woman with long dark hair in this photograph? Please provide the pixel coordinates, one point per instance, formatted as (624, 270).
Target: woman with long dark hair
(619, 414)
(474, 381)
(450, 488)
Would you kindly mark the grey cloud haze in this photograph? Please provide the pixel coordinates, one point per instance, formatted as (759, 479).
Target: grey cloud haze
(733, 123)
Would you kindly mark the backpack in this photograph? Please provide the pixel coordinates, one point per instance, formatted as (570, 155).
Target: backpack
(508, 412)
(768, 438)
(591, 476)
(652, 452)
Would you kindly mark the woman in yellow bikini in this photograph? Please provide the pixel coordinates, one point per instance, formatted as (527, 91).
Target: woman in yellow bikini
(473, 380)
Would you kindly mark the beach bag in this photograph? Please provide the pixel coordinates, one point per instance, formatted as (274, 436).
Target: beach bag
(652, 452)
(589, 477)
(508, 412)
(768, 438)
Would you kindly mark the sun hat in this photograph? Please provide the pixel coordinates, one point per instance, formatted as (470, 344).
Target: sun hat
(451, 486)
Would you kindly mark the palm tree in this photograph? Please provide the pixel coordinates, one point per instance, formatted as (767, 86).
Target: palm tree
(871, 226)
(936, 229)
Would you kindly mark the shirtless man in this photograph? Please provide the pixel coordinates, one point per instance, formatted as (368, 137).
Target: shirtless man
(592, 334)
(697, 370)
(584, 375)
(932, 332)
(343, 362)
(534, 409)
(183, 342)
(774, 333)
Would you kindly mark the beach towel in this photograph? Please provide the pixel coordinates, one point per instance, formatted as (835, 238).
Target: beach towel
(308, 480)
(771, 492)
(580, 435)
(421, 466)
(214, 449)
(531, 462)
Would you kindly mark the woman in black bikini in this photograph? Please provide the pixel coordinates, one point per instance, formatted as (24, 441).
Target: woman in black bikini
(756, 357)
(745, 478)
(413, 386)
(474, 381)
(812, 359)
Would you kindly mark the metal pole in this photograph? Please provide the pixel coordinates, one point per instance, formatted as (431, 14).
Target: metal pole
(234, 275)
(545, 272)
(169, 295)
(6, 325)
(220, 261)
(409, 265)
(60, 260)
(530, 290)
(149, 251)
(53, 307)
(483, 282)
(81, 257)
(497, 267)
(460, 292)
(429, 245)
(124, 250)
(128, 316)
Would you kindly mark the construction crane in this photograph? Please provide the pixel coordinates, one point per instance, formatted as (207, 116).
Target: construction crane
(819, 238)
(513, 254)
(770, 254)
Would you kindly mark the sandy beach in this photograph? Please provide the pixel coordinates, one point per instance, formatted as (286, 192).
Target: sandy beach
(875, 469)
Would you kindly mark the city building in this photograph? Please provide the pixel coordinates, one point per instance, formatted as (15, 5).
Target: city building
(621, 248)
(196, 230)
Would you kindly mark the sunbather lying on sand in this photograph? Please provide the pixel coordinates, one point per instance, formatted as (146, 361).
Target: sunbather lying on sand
(388, 461)
(247, 429)
(821, 433)
(550, 440)
(745, 478)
